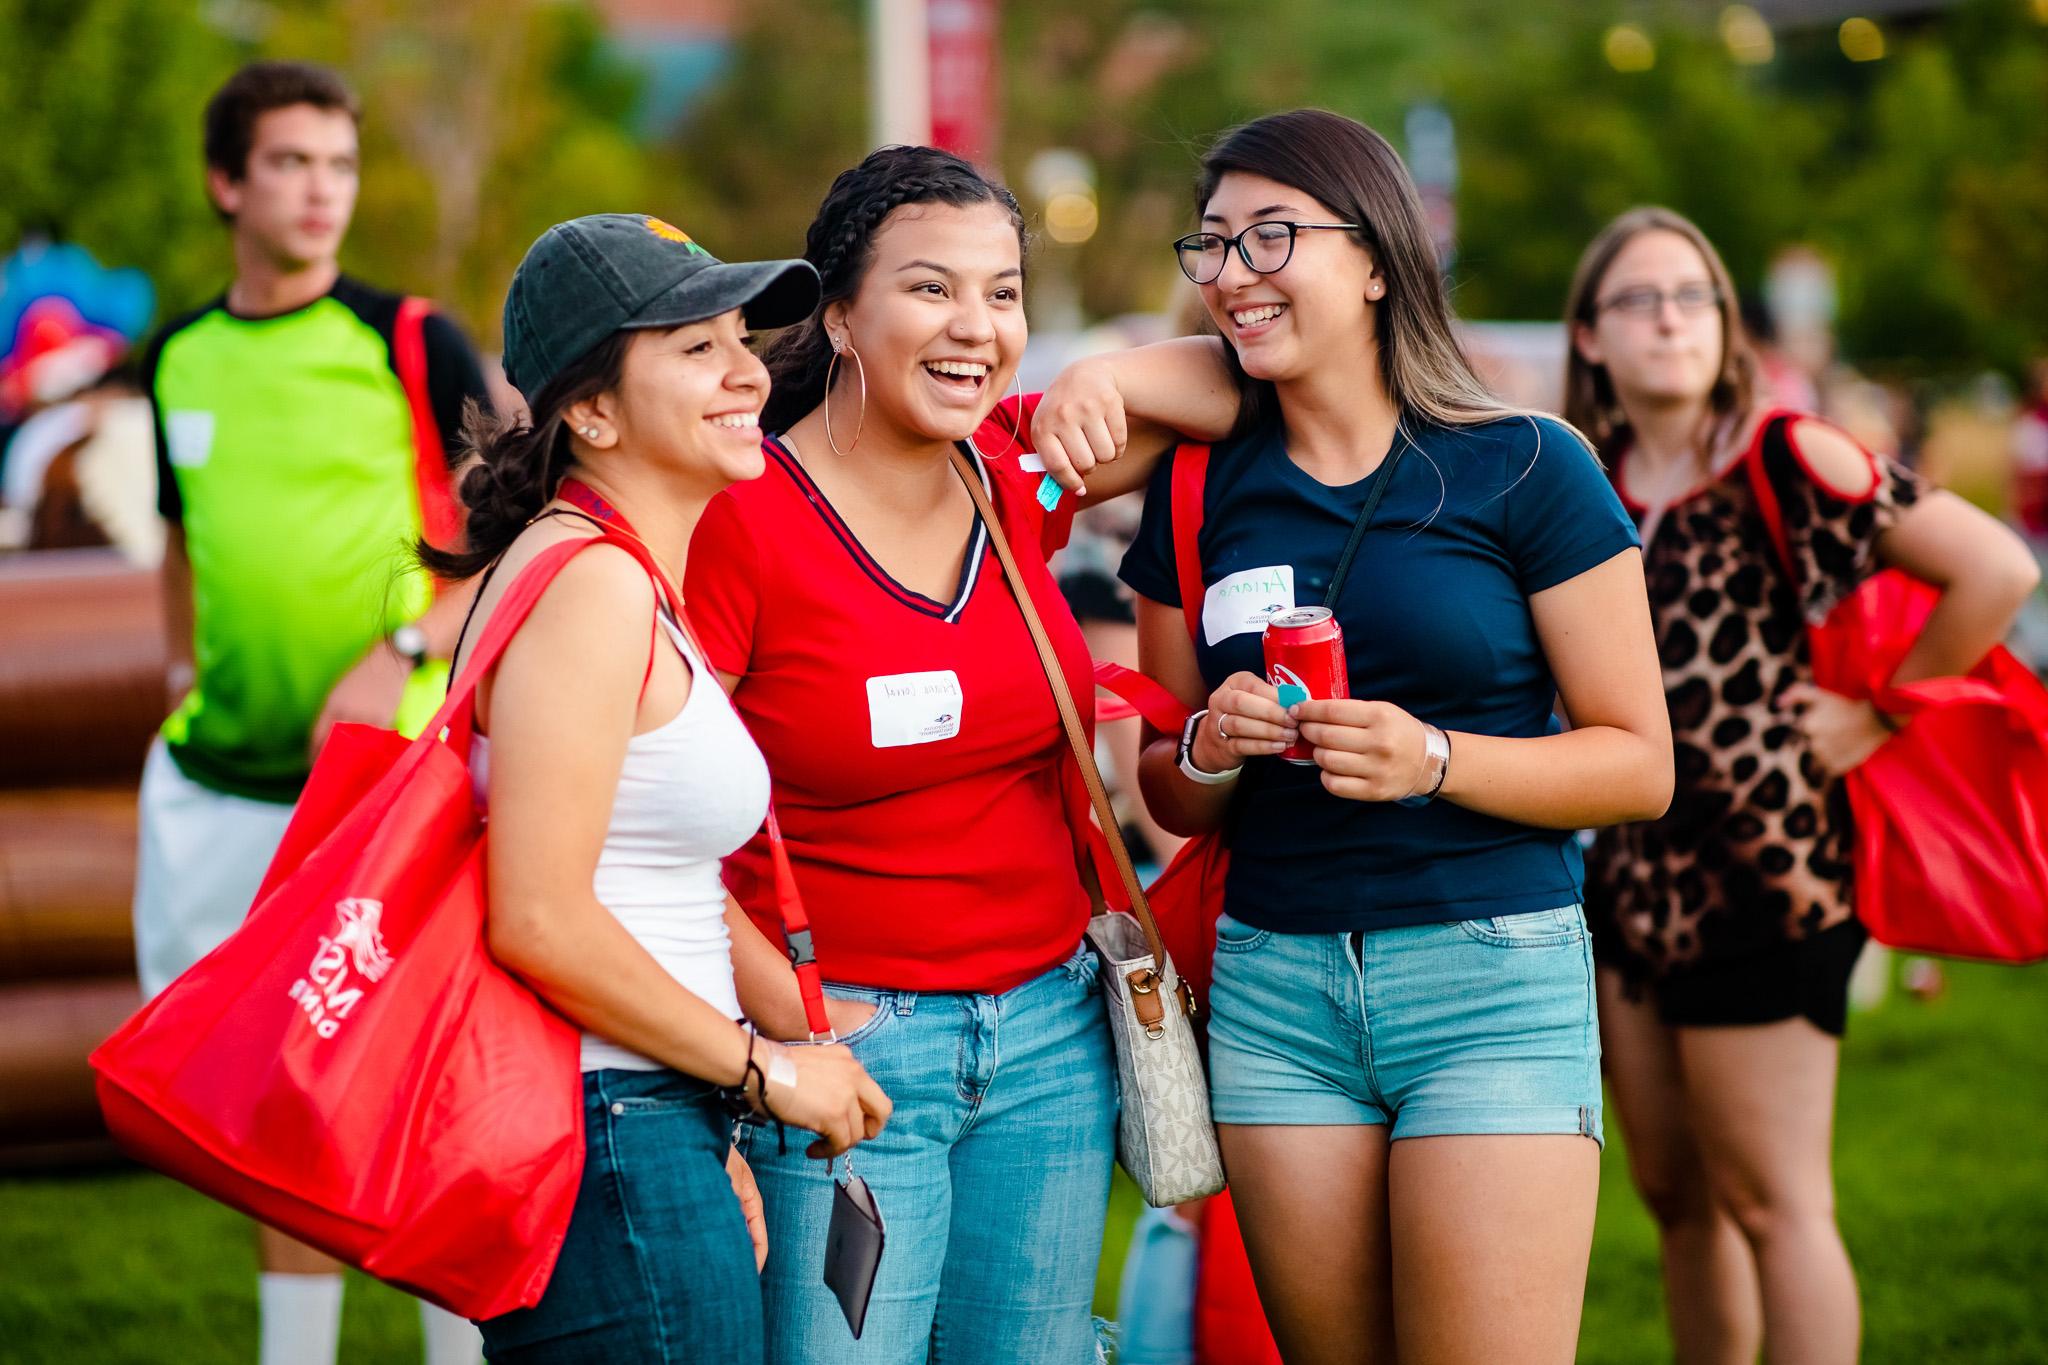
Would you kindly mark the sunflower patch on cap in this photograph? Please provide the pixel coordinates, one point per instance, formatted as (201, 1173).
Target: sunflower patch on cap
(670, 232)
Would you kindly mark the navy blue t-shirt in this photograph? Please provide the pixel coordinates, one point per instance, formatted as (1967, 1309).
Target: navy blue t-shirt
(1436, 620)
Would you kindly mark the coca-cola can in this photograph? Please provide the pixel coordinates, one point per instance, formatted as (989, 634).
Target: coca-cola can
(1304, 660)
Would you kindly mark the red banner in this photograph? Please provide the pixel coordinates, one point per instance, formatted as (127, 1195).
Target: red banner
(963, 76)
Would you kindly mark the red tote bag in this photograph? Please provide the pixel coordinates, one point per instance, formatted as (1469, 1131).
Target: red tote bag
(1952, 812)
(352, 1066)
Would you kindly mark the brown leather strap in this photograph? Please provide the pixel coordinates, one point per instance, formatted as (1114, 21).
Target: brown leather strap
(1070, 717)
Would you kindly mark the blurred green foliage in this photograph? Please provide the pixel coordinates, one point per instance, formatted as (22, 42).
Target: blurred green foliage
(1924, 176)
(485, 121)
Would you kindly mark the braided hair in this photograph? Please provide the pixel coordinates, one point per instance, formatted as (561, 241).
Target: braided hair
(841, 243)
(518, 465)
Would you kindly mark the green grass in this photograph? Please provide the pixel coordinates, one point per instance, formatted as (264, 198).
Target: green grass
(1942, 1174)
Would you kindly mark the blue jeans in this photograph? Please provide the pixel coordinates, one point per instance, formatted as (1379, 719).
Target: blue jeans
(658, 1266)
(992, 1178)
(1155, 1306)
(1475, 1026)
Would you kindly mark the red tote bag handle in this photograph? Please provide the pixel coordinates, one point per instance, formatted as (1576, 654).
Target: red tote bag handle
(1190, 476)
(789, 902)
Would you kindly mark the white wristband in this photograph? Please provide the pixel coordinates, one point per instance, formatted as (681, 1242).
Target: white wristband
(1186, 757)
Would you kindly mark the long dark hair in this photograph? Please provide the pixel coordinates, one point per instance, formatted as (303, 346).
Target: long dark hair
(518, 464)
(841, 244)
(1589, 400)
(1358, 175)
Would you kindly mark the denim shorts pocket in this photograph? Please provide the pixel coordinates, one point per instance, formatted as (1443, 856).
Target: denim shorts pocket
(1533, 929)
(883, 1001)
(1235, 936)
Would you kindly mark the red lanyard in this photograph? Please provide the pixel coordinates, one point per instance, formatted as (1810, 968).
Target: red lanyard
(796, 925)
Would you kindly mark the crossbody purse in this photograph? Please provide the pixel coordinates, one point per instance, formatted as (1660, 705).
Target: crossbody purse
(1165, 1136)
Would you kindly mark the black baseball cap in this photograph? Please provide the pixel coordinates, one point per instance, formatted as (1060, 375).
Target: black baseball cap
(590, 277)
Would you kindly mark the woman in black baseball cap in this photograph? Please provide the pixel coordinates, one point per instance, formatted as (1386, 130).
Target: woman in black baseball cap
(616, 781)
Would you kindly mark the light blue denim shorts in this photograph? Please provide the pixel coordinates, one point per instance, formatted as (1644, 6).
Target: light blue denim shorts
(1474, 1026)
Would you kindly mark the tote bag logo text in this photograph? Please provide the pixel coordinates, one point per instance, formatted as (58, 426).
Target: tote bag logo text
(327, 993)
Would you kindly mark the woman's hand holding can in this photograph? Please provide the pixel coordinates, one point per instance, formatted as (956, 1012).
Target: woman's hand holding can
(1368, 750)
(1245, 720)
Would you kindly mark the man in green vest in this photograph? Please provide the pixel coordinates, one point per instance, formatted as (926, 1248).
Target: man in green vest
(295, 467)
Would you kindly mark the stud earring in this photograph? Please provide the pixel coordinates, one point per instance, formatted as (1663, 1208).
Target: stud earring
(590, 433)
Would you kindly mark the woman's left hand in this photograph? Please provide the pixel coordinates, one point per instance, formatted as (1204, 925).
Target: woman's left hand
(1840, 731)
(749, 1195)
(1080, 423)
(1368, 750)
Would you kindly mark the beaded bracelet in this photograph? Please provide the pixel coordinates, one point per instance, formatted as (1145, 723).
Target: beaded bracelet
(741, 1105)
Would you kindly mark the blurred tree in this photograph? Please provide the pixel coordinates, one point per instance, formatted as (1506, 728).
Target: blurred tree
(747, 169)
(1925, 176)
(100, 100)
(485, 121)
(1940, 224)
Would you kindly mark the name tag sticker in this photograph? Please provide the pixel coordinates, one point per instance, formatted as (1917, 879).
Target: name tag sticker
(189, 434)
(913, 708)
(1242, 603)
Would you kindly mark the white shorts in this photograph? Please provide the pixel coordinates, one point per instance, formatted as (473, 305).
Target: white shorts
(203, 854)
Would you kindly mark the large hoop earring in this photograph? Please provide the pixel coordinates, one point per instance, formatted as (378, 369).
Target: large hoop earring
(861, 369)
(1016, 427)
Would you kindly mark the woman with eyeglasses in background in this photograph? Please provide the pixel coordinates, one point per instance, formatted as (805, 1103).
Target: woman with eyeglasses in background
(1725, 930)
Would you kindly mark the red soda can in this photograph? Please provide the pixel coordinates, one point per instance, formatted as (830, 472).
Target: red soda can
(1304, 660)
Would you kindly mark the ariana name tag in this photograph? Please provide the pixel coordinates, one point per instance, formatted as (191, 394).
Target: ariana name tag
(1242, 603)
(914, 708)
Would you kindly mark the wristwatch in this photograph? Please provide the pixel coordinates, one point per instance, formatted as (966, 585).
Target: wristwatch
(1436, 766)
(1186, 755)
(409, 643)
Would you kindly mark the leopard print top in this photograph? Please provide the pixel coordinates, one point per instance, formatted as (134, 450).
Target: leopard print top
(1755, 849)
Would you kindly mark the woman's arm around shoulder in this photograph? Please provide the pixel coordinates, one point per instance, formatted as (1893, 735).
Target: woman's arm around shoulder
(1102, 425)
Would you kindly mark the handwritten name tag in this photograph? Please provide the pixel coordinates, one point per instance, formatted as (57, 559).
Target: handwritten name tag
(1242, 603)
(913, 708)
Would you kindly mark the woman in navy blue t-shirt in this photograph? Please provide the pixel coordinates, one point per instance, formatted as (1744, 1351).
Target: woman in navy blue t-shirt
(1404, 1055)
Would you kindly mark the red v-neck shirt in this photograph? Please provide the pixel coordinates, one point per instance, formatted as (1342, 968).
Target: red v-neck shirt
(942, 860)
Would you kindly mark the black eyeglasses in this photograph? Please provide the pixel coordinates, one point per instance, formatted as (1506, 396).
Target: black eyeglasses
(1264, 247)
(1646, 301)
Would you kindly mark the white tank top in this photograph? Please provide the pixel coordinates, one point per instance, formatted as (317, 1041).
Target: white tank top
(691, 792)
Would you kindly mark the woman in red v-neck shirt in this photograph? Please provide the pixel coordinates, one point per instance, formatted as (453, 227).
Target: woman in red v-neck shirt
(922, 779)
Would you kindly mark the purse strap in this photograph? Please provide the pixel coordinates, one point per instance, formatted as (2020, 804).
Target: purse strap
(1365, 515)
(1767, 497)
(1144, 982)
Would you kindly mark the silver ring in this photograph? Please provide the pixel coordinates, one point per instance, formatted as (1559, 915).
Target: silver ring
(1219, 726)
